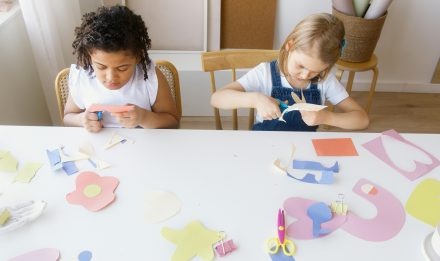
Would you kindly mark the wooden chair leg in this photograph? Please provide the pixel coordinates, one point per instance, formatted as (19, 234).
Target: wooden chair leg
(218, 122)
(350, 82)
(372, 89)
(234, 119)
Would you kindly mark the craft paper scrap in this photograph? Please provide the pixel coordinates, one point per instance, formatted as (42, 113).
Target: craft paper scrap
(44, 254)
(327, 177)
(100, 164)
(85, 256)
(301, 107)
(335, 147)
(319, 213)
(161, 205)
(54, 159)
(76, 157)
(424, 202)
(280, 256)
(116, 139)
(4, 216)
(110, 108)
(29, 170)
(8, 163)
(87, 149)
(3, 153)
(93, 191)
(314, 165)
(400, 154)
(193, 240)
(70, 167)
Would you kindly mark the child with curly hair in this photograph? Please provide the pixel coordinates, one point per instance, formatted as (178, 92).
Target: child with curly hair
(113, 68)
(302, 70)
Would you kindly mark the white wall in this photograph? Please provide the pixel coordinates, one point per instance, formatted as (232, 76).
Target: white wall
(22, 101)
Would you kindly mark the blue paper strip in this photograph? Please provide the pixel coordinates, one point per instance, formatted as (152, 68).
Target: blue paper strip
(313, 165)
(70, 167)
(280, 256)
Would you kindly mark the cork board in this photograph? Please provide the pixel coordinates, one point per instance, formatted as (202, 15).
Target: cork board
(247, 24)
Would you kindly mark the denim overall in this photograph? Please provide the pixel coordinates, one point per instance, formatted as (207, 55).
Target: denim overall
(293, 119)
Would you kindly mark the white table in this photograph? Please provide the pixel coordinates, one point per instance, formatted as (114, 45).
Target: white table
(225, 179)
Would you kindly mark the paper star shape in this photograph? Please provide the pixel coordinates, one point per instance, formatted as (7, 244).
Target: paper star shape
(193, 240)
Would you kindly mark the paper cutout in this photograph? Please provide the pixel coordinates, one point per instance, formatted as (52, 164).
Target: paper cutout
(22, 214)
(3, 153)
(116, 139)
(431, 245)
(76, 157)
(424, 202)
(85, 256)
(70, 167)
(8, 163)
(110, 108)
(93, 191)
(388, 221)
(4, 217)
(376, 147)
(334, 147)
(319, 213)
(54, 159)
(87, 149)
(44, 254)
(100, 164)
(225, 248)
(326, 178)
(301, 107)
(280, 256)
(193, 240)
(161, 205)
(26, 173)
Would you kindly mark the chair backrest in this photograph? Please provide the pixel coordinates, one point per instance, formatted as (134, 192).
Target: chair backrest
(232, 60)
(167, 68)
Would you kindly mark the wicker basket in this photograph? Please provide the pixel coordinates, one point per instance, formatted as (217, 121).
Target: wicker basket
(361, 36)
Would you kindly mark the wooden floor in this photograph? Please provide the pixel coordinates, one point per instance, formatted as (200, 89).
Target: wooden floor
(404, 112)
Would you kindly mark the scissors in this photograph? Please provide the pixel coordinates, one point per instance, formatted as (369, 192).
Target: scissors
(274, 243)
(283, 106)
(99, 114)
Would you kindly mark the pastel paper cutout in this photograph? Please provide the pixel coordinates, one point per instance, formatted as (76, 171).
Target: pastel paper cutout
(388, 222)
(110, 108)
(194, 240)
(3, 153)
(327, 173)
(326, 178)
(314, 165)
(85, 256)
(334, 147)
(8, 163)
(4, 217)
(280, 256)
(225, 248)
(344, 6)
(93, 191)
(54, 159)
(161, 205)
(319, 213)
(301, 107)
(44, 254)
(376, 147)
(28, 171)
(424, 202)
(116, 139)
(69, 167)
(377, 8)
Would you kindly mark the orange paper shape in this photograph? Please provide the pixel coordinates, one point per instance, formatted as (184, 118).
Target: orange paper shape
(111, 108)
(334, 147)
(93, 191)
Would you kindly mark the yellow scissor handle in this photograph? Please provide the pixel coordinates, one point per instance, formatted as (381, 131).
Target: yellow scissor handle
(288, 247)
(272, 245)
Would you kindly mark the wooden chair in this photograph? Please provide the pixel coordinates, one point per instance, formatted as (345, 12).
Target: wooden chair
(232, 60)
(167, 68)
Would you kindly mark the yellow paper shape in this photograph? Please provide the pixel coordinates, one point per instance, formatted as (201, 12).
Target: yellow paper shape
(2, 153)
(193, 240)
(424, 202)
(4, 216)
(29, 170)
(8, 163)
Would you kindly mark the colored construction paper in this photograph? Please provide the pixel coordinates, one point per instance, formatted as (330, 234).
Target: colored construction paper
(4, 216)
(100, 164)
(319, 213)
(424, 202)
(314, 165)
(400, 154)
(193, 240)
(334, 147)
(3, 153)
(70, 167)
(116, 139)
(29, 170)
(161, 205)
(85, 256)
(54, 159)
(326, 178)
(8, 163)
(44, 254)
(280, 256)
(75, 157)
(111, 108)
(93, 191)
(377, 8)
(344, 6)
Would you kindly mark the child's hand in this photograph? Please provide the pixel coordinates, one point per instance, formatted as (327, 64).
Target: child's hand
(91, 122)
(313, 118)
(267, 107)
(130, 119)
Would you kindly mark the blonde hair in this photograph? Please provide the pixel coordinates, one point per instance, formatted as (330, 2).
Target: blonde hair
(318, 32)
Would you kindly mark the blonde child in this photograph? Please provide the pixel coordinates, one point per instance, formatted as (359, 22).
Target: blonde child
(113, 68)
(303, 67)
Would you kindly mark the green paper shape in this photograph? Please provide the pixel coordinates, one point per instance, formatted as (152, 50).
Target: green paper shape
(8, 163)
(193, 240)
(4, 216)
(29, 170)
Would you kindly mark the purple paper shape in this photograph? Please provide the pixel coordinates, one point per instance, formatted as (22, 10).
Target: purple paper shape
(70, 168)
(44, 254)
(376, 147)
(319, 213)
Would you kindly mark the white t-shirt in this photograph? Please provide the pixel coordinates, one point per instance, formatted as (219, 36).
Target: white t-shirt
(259, 79)
(86, 90)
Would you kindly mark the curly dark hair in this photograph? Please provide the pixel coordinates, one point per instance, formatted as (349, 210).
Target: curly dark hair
(112, 29)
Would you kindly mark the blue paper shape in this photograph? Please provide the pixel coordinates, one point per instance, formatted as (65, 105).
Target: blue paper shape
(93, 163)
(69, 167)
(280, 256)
(314, 165)
(326, 178)
(85, 256)
(319, 213)
(54, 159)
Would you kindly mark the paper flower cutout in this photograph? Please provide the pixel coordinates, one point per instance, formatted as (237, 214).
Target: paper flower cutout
(93, 191)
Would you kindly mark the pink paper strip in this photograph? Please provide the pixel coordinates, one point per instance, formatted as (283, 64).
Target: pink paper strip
(111, 108)
(376, 147)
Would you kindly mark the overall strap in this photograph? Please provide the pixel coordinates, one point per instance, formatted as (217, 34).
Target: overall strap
(276, 78)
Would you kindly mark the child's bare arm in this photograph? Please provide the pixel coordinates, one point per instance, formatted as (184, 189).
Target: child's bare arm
(234, 96)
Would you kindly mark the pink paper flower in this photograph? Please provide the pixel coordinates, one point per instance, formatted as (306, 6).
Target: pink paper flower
(93, 191)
